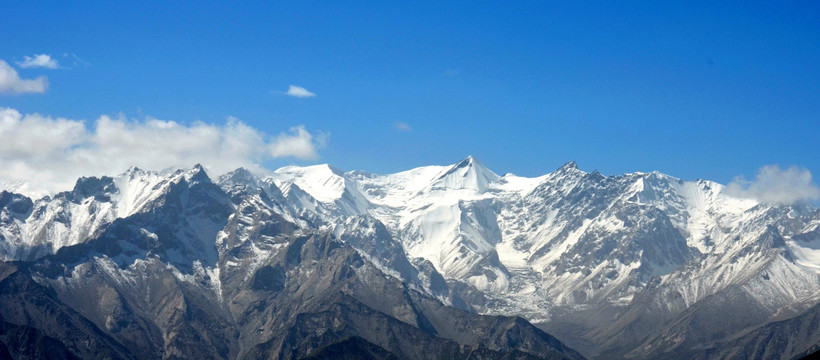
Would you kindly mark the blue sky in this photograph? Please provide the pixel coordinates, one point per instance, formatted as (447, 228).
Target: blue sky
(693, 90)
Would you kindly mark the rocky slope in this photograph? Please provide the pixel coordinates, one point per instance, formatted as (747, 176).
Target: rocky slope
(604, 262)
(179, 266)
(641, 265)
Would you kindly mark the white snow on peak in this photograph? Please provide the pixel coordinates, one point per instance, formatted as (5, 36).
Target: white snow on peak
(534, 241)
(323, 182)
(468, 174)
(395, 190)
(196, 174)
(524, 185)
(240, 176)
(66, 219)
(137, 188)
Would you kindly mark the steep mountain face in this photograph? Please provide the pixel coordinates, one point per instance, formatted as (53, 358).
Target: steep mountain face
(791, 338)
(178, 266)
(34, 323)
(31, 229)
(311, 260)
(604, 262)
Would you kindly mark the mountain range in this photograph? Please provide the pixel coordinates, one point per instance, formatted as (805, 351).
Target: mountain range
(434, 262)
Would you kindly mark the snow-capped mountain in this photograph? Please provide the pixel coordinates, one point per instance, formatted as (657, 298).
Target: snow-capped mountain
(180, 266)
(578, 245)
(635, 265)
(31, 229)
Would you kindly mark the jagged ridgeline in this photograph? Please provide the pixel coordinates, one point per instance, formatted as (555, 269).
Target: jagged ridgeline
(437, 262)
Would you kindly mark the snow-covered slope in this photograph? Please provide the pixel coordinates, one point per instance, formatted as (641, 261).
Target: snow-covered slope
(633, 251)
(577, 240)
(455, 216)
(325, 184)
(30, 229)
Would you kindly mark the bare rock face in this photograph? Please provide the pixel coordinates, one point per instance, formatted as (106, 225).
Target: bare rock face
(436, 262)
(226, 271)
(34, 323)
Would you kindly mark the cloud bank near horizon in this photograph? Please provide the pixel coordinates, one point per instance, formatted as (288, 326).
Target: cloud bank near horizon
(775, 185)
(40, 155)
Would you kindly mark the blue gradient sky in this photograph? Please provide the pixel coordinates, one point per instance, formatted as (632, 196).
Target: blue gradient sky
(693, 90)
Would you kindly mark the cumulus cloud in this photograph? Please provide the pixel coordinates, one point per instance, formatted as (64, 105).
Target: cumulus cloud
(402, 126)
(298, 143)
(47, 154)
(300, 92)
(39, 61)
(773, 184)
(11, 83)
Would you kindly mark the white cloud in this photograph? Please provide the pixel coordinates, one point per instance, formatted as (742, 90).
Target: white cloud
(48, 154)
(402, 126)
(773, 184)
(298, 143)
(298, 91)
(11, 83)
(37, 61)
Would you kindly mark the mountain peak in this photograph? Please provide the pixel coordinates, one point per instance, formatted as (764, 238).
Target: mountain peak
(570, 165)
(132, 172)
(323, 182)
(240, 176)
(468, 160)
(466, 174)
(240, 173)
(197, 174)
(94, 186)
